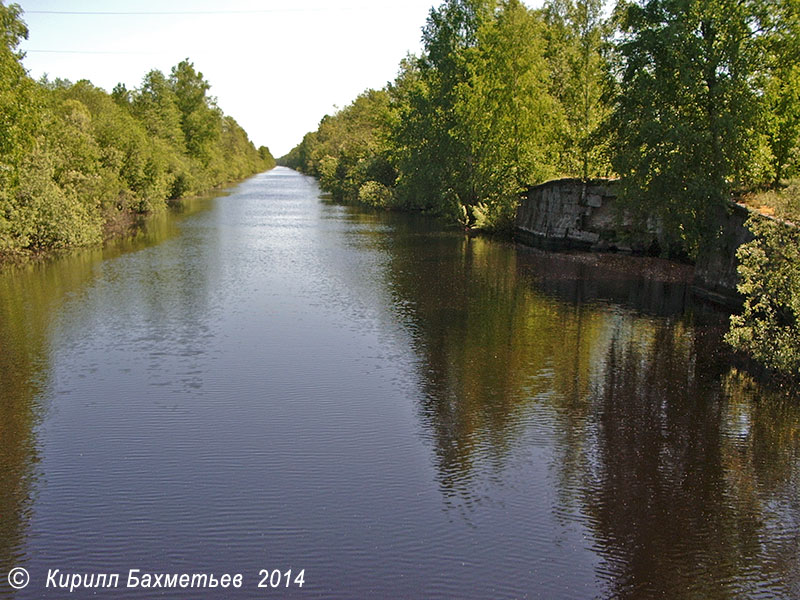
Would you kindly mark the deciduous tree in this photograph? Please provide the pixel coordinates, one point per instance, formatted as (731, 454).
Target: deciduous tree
(686, 109)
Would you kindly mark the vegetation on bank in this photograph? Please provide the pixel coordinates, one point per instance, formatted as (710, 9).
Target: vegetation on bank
(76, 160)
(769, 267)
(501, 97)
(686, 101)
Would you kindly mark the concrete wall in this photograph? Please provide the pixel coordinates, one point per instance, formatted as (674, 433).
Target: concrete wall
(570, 213)
(566, 213)
(715, 272)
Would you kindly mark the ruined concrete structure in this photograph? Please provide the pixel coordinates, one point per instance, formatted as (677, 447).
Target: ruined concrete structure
(571, 213)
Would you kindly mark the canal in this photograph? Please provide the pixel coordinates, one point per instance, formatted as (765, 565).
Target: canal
(267, 380)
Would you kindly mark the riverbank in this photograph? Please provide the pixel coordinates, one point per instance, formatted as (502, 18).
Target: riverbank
(575, 214)
(79, 164)
(117, 225)
(763, 304)
(749, 263)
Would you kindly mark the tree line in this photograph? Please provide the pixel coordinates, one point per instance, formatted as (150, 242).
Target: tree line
(687, 102)
(501, 97)
(76, 161)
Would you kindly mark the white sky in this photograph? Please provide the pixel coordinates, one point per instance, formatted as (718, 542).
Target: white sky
(277, 69)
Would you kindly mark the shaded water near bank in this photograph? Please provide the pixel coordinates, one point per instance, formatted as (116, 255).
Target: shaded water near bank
(272, 381)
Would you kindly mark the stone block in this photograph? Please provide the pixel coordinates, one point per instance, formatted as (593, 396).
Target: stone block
(594, 200)
(578, 235)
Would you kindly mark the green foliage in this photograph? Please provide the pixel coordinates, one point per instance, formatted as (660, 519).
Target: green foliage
(52, 215)
(470, 123)
(73, 156)
(782, 120)
(686, 111)
(375, 194)
(19, 120)
(200, 118)
(505, 111)
(432, 150)
(18, 97)
(155, 104)
(349, 149)
(267, 160)
(769, 327)
(576, 47)
(781, 87)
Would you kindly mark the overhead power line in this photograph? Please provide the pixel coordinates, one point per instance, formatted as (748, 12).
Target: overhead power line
(189, 12)
(88, 52)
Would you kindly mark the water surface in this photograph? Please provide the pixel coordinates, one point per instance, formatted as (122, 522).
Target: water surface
(270, 380)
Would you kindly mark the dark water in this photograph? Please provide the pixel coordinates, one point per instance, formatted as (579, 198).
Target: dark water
(271, 381)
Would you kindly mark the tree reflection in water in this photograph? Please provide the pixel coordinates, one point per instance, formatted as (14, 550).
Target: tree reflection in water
(684, 471)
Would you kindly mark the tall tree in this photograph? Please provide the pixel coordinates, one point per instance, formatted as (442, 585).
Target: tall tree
(505, 112)
(435, 161)
(20, 117)
(576, 41)
(201, 120)
(18, 96)
(782, 86)
(155, 104)
(686, 108)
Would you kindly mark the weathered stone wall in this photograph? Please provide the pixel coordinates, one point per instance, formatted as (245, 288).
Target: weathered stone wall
(715, 272)
(567, 213)
(571, 213)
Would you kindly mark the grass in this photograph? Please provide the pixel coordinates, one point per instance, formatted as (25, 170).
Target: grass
(782, 203)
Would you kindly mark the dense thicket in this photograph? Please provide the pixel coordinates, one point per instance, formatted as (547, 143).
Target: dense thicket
(769, 326)
(769, 268)
(688, 102)
(75, 159)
